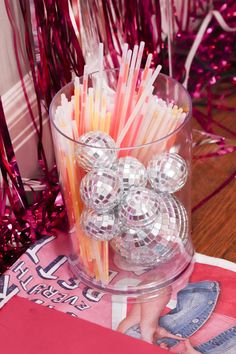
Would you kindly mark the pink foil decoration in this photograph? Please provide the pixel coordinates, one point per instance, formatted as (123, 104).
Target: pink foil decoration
(55, 51)
(21, 225)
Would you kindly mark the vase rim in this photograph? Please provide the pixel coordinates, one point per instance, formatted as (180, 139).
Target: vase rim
(125, 148)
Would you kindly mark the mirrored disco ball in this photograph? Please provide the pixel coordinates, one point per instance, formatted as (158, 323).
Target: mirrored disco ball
(131, 171)
(139, 207)
(141, 246)
(181, 214)
(101, 227)
(157, 242)
(101, 190)
(167, 172)
(100, 153)
(173, 219)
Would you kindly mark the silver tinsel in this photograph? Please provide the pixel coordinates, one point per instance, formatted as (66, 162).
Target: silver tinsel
(167, 172)
(101, 190)
(98, 151)
(101, 227)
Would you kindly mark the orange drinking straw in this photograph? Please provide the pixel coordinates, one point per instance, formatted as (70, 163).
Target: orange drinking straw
(105, 258)
(90, 117)
(108, 123)
(90, 250)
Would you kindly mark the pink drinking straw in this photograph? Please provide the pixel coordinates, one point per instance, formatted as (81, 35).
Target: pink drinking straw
(147, 91)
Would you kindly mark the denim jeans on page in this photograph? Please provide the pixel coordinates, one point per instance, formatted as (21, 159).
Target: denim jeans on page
(195, 304)
(224, 343)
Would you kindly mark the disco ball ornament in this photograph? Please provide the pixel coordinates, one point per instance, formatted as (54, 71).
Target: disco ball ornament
(182, 217)
(174, 219)
(139, 207)
(101, 190)
(131, 171)
(140, 246)
(167, 172)
(101, 227)
(158, 241)
(97, 151)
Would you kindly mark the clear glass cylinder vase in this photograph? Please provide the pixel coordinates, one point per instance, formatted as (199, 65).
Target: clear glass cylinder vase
(141, 243)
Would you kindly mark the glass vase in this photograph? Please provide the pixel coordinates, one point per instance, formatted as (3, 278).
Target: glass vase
(141, 243)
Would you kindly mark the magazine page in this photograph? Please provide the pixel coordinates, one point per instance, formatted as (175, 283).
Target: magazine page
(197, 314)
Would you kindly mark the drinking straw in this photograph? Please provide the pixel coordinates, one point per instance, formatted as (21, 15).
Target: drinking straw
(147, 65)
(159, 119)
(135, 77)
(77, 99)
(106, 263)
(151, 134)
(69, 115)
(71, 186)
(134, 138)
(165, 122)
(96, 119)
(98, 258)
(74, 130)
(61, 117)
(140, 54)
(103, 112)
(116, 116)
(133, 116)
(84, 99)
(150, 107)
(147, 125)
(168, 120)
(90, 117)
(107, 123)
(127, 89)
(131, 84)
(118, 89)
(179, 119)
(147, 91)
(172, 118)
(64, 101)
(98, 253)
(93, 256)
(120, 101)
(98, 88)
(145, 75)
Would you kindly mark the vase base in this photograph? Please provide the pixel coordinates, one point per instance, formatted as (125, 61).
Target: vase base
(135, 282)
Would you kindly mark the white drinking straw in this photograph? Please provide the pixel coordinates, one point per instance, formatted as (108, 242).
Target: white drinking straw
(127, 92)
(134, 78)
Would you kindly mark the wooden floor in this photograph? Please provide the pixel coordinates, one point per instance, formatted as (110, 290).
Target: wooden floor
(214, 223)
